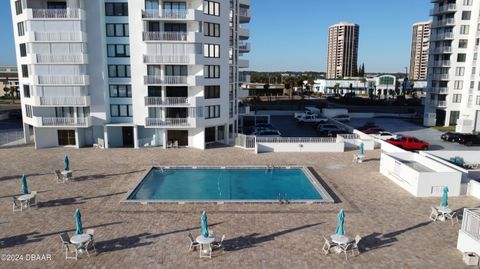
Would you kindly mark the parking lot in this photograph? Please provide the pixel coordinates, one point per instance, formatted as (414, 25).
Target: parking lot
(399, 126)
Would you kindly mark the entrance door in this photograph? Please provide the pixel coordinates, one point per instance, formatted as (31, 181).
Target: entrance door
(127, 133)
(66, 138)
(177, 135)
(441, 117)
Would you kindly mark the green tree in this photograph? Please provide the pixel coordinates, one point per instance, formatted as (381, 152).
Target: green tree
(11, 91)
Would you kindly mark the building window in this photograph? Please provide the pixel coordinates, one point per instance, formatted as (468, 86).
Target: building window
(460, 71)
(457, 98)
(117, 29)
(467, 2)
(211, 29)
(212, 112)
(211, 8)
(120, 91)
(211, 51)
(21, 28)
(464, 29)
(176, 70)
(211, 71)
(18, 7)
(28, 111)
(458, 84)
(461, 57)
(472, 85)
(23, 50)
(121, 111)
(454, 116)
(478, 100)
(474, 70)
(463, 43)
(24, 71)
(175, 8)
(118, 50)
(466, 15)
(116, 9)
(118, 71)
(26, 91)
(212, 92)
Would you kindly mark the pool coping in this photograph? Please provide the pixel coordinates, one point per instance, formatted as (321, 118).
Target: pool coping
(326, 198)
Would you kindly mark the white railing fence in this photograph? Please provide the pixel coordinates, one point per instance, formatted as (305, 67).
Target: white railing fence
(168, 101)
(245, 141)
(471, 222)
(52, 58)
(168, 59)
(169, 36)
(172, 122)
(296, 140)
(167, 14)
(64, 121)
(63, 101)
(56, 13)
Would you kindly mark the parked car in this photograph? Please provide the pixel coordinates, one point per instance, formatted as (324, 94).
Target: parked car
(367, 126)
(451, 136)
(268, 133)
(373, 131)
(409, 143)
(311, 119)
(329, 130)
(385, 135)
(264, 126)
(342, 118)
(469, 139)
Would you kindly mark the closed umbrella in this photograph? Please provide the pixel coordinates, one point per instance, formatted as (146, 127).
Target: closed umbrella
(341, 221)
(24, 185)
(204, 224)
(78, 222)
(361, 151)
(66, 164)
(445, 197)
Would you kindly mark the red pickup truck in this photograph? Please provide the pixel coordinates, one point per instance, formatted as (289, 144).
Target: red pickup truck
(409, 143)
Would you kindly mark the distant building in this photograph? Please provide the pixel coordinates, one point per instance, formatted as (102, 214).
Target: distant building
(342, 50)
(419, 52)
(258, 89)
(8, 77)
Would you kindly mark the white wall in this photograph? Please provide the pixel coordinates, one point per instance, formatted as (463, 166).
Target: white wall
(45, 137)
(300, 147)
(466, 243)
(196, 138)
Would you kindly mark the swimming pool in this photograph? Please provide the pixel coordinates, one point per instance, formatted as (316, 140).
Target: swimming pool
(229, 184)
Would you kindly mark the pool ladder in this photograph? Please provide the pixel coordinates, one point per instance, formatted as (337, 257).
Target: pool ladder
(283, 199)
(269, 169)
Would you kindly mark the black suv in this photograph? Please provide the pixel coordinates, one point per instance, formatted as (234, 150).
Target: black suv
(451, 136)
(469, 139)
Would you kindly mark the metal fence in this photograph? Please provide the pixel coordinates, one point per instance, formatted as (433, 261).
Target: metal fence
(11, 139)
(245, 141)
(471, 222)
(296, 140)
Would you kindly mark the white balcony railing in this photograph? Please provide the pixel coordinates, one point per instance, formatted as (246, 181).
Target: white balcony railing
(64, 100)
(165, 36)
(442, 36)
(70, 121)
(440, 76)
(168, 59)
(442, 50)
(471, 223)
(166, 80)
(67, 58)
(168, 101)
(296, 139)
(170, 122)
(59, 36)
(72, 13)
(443, 63)
(444, 22)
(166, 14)
(63, 80)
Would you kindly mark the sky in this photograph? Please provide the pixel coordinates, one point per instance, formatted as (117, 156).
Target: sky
(292, 35)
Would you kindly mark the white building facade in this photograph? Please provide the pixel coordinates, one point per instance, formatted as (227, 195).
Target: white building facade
(130, 73)
(453, 77)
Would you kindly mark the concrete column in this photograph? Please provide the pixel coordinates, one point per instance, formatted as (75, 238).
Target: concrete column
(135, 137)
(226, 134)
(164, 137)
(105, 136)
(26, 133)
(77, 138)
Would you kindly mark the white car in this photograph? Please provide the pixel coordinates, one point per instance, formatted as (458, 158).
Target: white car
(385, 135)
(311, 119)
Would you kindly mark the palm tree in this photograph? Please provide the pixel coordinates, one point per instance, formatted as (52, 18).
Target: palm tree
(11, 91)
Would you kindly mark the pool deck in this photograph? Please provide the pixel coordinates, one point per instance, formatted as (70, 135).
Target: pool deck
(394, 224)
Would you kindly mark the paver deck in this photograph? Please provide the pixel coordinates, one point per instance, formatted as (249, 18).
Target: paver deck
(394, 224)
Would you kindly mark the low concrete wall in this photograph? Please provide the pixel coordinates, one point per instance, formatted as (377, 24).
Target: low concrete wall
(300, 147)
(474, 189)
(277, 112)
(466, 243)
(369, 115)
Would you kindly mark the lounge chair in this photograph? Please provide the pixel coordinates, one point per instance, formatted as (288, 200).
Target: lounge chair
(352, 246)
(69, 176)
(59, 177)
(434, 215)
(175, 144)
(16, 205)
(88, 246)
(218, 244)
(69, 247)
(193, 244)
(33, 200)
(328, 245)
(357, 158)
(451, 216)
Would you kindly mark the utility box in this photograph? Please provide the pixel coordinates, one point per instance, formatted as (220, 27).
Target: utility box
(470, 258)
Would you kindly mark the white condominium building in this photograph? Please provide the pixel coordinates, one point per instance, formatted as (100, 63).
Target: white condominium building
(419, 51)
(454, 67)
(342, 50)
(130, 73)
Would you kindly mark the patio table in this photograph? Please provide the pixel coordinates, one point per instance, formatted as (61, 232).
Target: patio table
(204, 241)
(25, 199)
(341, 240)
(444, 211)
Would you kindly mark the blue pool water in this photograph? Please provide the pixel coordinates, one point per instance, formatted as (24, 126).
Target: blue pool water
(225, 184)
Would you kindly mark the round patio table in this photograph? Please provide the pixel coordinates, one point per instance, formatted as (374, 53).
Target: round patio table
(202, 240)
(80, 239)
(341, 240)
(25, 197)
(443, 210)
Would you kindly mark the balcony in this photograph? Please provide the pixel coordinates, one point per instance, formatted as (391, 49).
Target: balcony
(244, 15)
(71, 13)
(243, 110)
(171, 122)
(441, 50)
(169, 59)
(445, 63)
(187, 14)
(54, 101)
(82, 80)
(166, 80)
(439, 104)
(165, 36)
(60, 59)
(242, 63)
(170, 101)
(59, 36)
(244, 47)
(443, 9)
(244, 3)
(444, 23)
(444, 36)
(243, 33)
(440, 76)
(63, 122)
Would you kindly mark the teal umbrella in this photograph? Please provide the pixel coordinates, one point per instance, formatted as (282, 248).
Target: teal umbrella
(204, 224)
(66, 164)
(78, 222)
(445, 197)
(341, 221)
(24, 185)
(362, 149)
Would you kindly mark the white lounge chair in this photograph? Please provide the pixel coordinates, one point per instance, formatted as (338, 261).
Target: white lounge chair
(352, 246)
(451, 216)
(357, 158)
(69, 176)
(218, 244)
(33, 201)
(16, 205)
(193, 244)
(69, 247)
(329, 244)
(434, 215)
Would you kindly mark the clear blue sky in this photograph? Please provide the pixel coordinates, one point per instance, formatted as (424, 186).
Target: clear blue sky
(292, 35)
